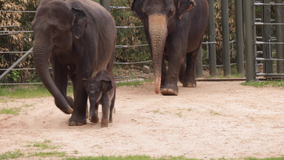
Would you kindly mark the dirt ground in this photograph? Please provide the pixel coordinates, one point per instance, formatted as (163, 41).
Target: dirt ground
(214, 120)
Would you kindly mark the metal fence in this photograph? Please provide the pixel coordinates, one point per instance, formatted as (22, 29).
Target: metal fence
(210, 46)
(271, 55)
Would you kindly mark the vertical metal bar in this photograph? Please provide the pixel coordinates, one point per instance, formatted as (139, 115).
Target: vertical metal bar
(211, 37)
(226, 38)
(106, 4)
(249, 42)
(239, 37)
(16, 63)
(199, 68)
(266, 33)
(279, 36)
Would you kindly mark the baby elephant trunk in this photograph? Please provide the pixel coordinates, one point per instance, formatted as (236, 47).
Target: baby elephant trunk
(93, 110)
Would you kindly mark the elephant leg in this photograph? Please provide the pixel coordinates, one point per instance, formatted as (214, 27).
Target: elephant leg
(95, 117)
(182, 72)
(170, 87)
(111, 109)
(164, 74)
(78, 117)
(61, 80)
(106, 110)
(72, 76)
(189, 77)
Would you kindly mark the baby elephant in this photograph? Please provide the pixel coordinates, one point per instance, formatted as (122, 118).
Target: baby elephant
(101, 89)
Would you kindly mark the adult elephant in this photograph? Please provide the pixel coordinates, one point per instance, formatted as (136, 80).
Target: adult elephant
(79, 37)
(173, 28)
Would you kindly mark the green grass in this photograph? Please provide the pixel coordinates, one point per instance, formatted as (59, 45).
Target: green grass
(12, 155)
(162, 158)
(36, 91)
(132, 83)
(30, 91)
(215, 113)
(46, 144)
(13, 111)
(48, 154)
(112, 158)
(19, 154)
(260, 84)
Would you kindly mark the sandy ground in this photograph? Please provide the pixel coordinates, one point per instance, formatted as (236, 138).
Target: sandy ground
(214, 120)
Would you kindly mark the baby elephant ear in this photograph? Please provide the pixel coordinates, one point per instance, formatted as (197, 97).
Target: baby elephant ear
(107, 86)
(184, 6)
(79, 22)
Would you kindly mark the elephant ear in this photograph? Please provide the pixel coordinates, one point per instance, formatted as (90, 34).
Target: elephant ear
(184, 6)
(106, 86)
(79, 22)
(136, 7)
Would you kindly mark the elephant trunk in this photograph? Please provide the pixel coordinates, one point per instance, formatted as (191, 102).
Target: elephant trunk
(158, 33)
(41, 54)
(92, 106)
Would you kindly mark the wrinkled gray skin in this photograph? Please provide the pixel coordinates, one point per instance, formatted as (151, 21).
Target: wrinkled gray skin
(101, 90)
(174, 29)
(79, 37)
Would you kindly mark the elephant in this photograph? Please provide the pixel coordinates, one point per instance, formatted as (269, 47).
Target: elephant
(101, 89)
(78, 37)
(174, 29)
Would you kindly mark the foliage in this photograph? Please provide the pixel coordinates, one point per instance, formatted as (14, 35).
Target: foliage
(260, 84)
(133, 36)
(16, 42)
(11, 155)
(13, 111)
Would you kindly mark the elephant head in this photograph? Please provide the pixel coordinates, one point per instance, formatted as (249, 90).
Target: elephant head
(55, 27)
(159, 18)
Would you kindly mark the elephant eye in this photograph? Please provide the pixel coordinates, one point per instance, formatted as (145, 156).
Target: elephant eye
(54, 31)
(170, 13)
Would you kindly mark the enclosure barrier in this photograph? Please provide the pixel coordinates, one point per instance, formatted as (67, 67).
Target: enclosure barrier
(211, 44)
(268, 41)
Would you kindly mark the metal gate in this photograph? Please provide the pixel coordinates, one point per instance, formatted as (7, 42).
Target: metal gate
(269, 55)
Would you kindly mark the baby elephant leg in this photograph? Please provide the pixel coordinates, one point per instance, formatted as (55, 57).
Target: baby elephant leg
(105, 109)
(112, 110)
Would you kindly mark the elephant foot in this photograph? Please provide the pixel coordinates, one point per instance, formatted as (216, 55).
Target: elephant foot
(94, 120)
(169, 91)
(104, 122)
(190, 85)
(77, 121)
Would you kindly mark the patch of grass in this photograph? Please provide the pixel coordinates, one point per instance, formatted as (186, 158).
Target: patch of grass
(215, 113)
(42, 145)
(272, 158)
(112, 158)
(132, 83)
(260, 84)
(189, 109)
(48, 154)
(13, 111)
(12, 155)
(179, 114)
(29, 91)
(3, 100)
(156, 111)
(27, 105)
